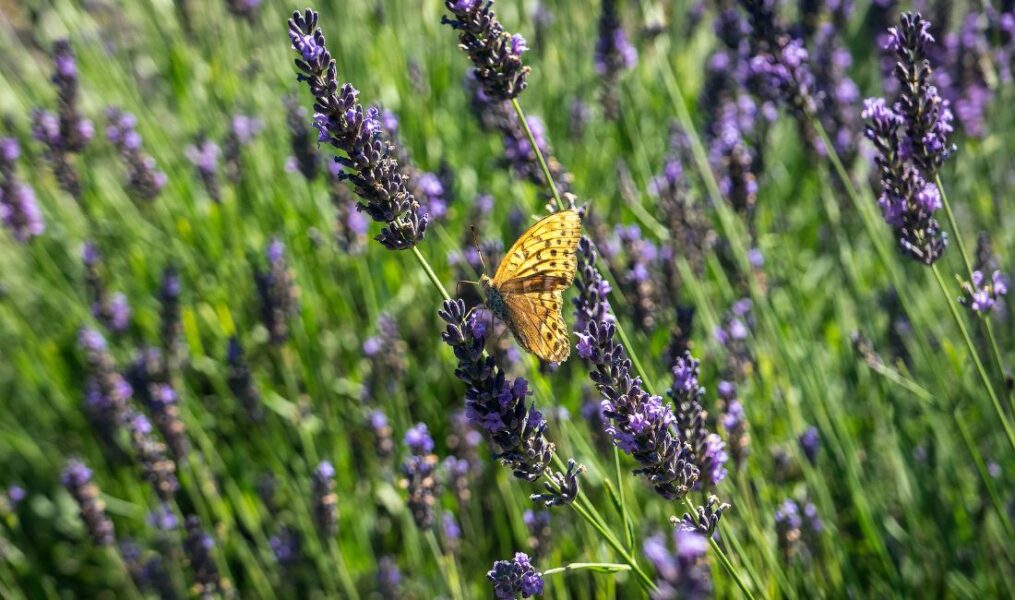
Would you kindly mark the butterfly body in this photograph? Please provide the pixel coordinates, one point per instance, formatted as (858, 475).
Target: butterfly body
(527, 290)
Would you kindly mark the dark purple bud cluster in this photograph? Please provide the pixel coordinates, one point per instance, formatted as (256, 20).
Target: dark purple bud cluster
(692, 422)
(74, 131)
(277, 292)
(148, 575)
(493, 403)
(204, 155)
(144, 180)
(514, 578)
(113, 311)
(77, 478)
(680, 573)
(305, 158)
(368, 157)
(419, 472)
(563, 488)
(613, 55)
(640, 424)
(325, 500)
(691, 232)
(19, 210)
(705, 519)
(389, 578)
(810, 443)
(150, 380)
(285, 545)
(242, 131)
(197, 546)
(158, 469)
(240, 381)
(496, 55)
(107, 393)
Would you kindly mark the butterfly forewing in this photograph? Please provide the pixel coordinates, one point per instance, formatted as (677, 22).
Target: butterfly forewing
(534, 272)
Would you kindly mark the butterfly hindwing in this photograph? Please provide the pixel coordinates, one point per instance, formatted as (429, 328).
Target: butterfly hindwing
(547, 248)
(538, 325)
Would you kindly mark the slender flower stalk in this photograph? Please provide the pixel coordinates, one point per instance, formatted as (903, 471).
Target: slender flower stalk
(77, 478)
(144, 180)
(19, 210)
(367, 157)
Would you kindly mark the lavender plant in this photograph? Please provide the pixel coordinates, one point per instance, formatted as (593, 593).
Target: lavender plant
(19, 209)
(613, 55)
(144, 180)
(419, 471)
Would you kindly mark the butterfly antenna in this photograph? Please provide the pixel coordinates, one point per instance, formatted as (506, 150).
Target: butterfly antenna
(478, 247)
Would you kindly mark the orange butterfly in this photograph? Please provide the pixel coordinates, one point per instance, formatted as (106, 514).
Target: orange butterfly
(527, 290)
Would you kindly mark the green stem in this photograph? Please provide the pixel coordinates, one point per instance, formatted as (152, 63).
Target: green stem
(953, 223)
(539, 154)
(430, 273)
(723, 559)
(628, 534)
(602, 567)
(441, 559)
(976, 357)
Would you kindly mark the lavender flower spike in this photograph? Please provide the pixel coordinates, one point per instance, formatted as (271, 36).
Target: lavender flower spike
(681, 574)
(495, 404)
(325, 499)
(516, 577)
(495, 54)
(77, 478)
(368, 158)
(420, 473)
(144, 180)
(614, 54)
(19, 209)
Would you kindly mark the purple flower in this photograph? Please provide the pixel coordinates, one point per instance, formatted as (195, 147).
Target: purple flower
(144, 180)
(163, 518)
(389, 578)
(75, 131)
(495, 404)
(325, 500)
(709, 450)
(515, 577)
(342, 122)
(590, 302)
(19, 209)
(285, 545)
(810, 443)
(204, 155)
(682, 572)
(981, 294)
(496, 55)
(158, 469)
(278, 293)
(419, 471)
(197, 546)
(613, 54)
(77, 478)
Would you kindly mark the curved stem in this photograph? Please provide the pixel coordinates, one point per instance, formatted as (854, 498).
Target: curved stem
(976, 358)
(539, 154)
(430, 273)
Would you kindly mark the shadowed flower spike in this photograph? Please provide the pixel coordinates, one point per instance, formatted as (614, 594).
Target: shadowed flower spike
(420, 475)
(564, 488)
(538, 524)
(204, 155)
(159, 469)
(305, 158)
(734, 421)
(108, 393)
(171, 325)
(910, 138)
(325, 500)
(514, 578)
(150, 380)
(111, 310)
(810, 443)
(244, 9)
(368, 161)
(278, 293)
(242, 130)
(779, 65)
(77, 478)
(75, 131)
(389, 578)
(197, 546)
(495, 404)
(240, 381)
(614, 54)
(384, 445)
(144, 180)
(982, 293)
(496, 55)
(19, 209)
(681, 574)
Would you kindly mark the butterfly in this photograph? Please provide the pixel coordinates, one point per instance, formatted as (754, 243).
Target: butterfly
(526, 292)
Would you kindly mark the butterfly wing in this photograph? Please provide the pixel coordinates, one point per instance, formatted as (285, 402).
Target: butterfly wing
(543, 258)
(538, 325)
